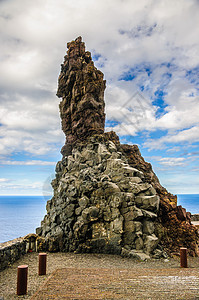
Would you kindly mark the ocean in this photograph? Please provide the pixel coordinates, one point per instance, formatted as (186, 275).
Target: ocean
(190, 202)
(20, 215)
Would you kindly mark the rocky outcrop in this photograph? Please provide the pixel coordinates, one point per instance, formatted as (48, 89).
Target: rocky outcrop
(173, 225)
(81, 87)
(106, 197)
(101, 204)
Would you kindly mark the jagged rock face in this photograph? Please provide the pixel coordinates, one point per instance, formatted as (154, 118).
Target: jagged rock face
(100, 203)
(81, 87)
(173, 225)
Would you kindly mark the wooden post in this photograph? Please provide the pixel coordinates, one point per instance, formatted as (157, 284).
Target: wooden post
(183, 257)
(22, 279)
(42, 263)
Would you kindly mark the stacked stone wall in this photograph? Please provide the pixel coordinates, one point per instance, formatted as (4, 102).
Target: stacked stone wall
(12, 250)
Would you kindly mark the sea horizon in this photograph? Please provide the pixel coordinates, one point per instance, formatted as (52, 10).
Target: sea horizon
(22, 214)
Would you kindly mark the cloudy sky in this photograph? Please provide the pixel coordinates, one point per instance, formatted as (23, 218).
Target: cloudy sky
(149, 53)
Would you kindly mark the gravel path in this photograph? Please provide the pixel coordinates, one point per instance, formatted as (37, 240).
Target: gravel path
(55, 261)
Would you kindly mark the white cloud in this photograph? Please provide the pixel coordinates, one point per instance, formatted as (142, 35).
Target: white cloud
(185, 136)
(132, 111)
(174, 149)
(28, 163)
(171, 161)
(22, 188)
(30, 125)
(155, 42)
(2, 180)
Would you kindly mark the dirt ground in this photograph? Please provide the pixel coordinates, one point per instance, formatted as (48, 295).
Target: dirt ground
(163, 277)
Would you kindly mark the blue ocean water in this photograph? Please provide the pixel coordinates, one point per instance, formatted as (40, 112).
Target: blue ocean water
(190, 202)
(20, 215)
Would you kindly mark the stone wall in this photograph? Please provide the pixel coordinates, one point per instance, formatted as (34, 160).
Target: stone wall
(11, 251)
(14, 249)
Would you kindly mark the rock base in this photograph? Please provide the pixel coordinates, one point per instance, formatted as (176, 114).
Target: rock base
(100, 204)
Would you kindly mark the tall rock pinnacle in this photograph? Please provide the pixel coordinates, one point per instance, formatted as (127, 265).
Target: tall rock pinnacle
(81, 87)
(107, 199)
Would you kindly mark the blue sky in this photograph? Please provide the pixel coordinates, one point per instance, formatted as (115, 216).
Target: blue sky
(149, 53)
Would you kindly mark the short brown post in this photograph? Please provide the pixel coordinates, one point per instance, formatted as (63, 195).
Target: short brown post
(22, 279)
(183, 257)
(42, 263)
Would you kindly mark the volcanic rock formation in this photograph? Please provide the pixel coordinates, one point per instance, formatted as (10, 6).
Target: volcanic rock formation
(106, 197)
(173, 225)
(81, 87)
